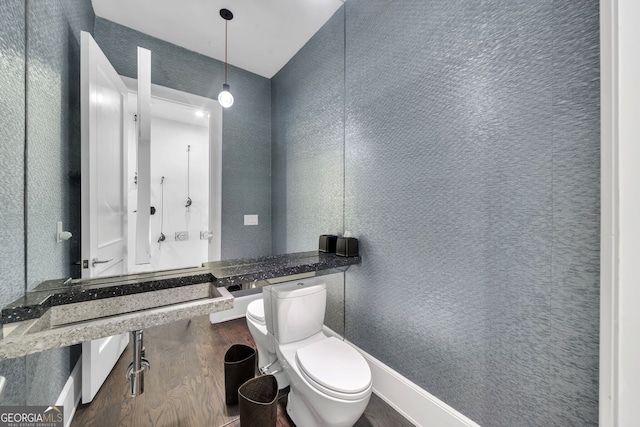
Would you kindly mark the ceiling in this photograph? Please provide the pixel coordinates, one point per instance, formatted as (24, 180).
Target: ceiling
(263, 34)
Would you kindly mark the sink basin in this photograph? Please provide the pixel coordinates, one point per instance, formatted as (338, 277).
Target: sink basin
(52, 331)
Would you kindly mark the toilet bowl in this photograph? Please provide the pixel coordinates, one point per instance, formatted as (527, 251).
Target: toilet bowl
(258, 328)
(330, 381)
(265, 343)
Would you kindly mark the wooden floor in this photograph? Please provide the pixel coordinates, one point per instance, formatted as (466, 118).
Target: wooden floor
(185, 386)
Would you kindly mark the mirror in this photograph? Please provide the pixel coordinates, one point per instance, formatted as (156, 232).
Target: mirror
(295, 189)
(278, 160)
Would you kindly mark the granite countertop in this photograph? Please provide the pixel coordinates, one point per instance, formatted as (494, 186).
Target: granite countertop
(55, 293)
(60, 313)
(238, 271)
(36, 335)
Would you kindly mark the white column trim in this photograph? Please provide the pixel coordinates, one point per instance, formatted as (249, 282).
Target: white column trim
(70, 395)
(608, 213)
(620, 213)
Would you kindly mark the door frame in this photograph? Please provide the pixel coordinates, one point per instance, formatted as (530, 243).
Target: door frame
(213, 108)
(620, 213)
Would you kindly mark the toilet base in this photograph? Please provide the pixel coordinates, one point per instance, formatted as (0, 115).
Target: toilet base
(300, 412)
(276, 370)
(267, 357)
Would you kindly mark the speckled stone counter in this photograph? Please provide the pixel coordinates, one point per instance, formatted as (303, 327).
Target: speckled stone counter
(55, 293)
(33, 336)
(235, 272)
(60, 313)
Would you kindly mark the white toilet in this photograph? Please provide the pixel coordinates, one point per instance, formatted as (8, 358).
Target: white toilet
(267, 359)
(330, 381)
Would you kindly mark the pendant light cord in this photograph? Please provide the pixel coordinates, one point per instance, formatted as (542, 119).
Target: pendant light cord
(225, 98)
(226, 26)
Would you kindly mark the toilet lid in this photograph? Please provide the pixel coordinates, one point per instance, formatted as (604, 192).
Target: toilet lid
(335, 365)
(255, 310)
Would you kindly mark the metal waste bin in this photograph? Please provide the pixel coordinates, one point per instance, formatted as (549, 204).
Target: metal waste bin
(259, 402)
(239, 367)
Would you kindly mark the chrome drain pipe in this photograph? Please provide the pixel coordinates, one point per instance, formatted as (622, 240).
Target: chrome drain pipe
(139, 366)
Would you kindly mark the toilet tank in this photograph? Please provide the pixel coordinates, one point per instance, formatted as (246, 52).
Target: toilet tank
(298, 309)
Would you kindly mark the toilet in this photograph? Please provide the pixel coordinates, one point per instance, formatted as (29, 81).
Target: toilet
(267, 359)
(330, 381)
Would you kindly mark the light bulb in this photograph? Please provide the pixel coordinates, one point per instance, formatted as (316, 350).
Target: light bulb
(225, 98)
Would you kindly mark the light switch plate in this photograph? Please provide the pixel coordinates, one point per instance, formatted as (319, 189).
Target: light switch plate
(251, 220)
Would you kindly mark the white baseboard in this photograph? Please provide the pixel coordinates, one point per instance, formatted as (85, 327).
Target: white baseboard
(414, 403)
(70, 394)
(239, 309)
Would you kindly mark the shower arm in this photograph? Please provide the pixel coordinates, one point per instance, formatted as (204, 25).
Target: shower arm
(188, 178)
(162, 236)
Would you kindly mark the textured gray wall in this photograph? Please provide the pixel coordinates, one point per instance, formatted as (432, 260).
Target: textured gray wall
(476, 197)
(52, 69)
(53, 166)
(12, 122)
(12, 63)
(472, 181)
(246, 146)
(53, 146)
(307, 134)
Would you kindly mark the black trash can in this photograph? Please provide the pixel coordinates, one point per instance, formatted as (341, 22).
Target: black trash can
(259, 402)
(239, 367)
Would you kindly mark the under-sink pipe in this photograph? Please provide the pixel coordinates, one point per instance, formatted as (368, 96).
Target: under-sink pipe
(139, 366)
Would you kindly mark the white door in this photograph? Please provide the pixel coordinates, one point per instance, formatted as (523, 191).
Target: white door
(103, 127)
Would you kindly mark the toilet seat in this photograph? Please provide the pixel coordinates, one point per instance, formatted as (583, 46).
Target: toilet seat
(255, 310)
(335, 368)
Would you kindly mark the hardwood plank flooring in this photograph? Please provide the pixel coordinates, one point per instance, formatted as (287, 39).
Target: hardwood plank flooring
(185, 386)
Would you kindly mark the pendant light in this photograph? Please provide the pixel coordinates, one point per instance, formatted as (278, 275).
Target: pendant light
(225, 98)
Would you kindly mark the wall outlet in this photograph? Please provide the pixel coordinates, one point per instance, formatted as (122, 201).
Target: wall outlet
(182, 236)
(251, 220)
